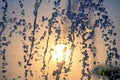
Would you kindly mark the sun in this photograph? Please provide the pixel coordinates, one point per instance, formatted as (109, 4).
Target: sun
(61, 53)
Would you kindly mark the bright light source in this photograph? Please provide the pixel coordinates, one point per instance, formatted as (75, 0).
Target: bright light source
(61, 53)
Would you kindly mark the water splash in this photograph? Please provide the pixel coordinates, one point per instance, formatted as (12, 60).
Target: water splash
(74, 26)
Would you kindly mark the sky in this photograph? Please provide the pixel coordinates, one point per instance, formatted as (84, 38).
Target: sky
(112, 7)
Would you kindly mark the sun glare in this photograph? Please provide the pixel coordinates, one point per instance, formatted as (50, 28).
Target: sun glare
(61, 53)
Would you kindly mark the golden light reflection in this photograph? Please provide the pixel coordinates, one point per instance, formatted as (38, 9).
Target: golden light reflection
(61, 53)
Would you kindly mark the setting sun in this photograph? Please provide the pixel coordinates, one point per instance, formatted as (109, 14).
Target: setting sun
(61, 53)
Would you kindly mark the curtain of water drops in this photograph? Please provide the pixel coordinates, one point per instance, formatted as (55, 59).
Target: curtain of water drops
(55, 39)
